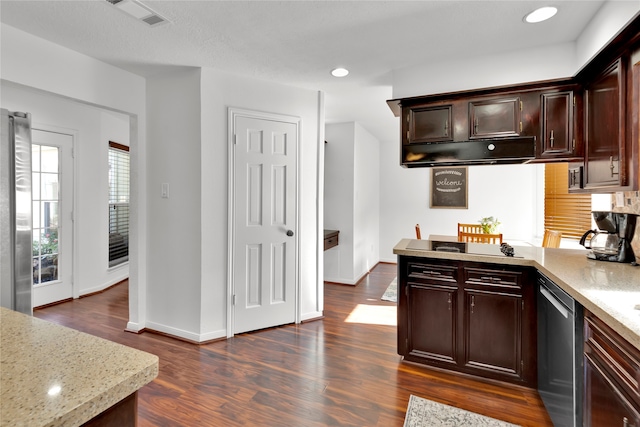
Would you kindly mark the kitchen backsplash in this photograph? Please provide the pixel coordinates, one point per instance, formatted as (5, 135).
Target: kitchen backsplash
(631, 205)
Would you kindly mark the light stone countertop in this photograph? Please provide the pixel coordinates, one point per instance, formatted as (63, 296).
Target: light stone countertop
(610, 290)
(93, 374)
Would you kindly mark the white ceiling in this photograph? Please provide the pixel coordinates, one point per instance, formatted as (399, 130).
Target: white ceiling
(299, 42)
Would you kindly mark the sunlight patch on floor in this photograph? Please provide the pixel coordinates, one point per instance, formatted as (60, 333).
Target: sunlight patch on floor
(373, 315)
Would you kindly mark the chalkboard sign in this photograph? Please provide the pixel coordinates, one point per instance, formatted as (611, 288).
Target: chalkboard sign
(449, 187)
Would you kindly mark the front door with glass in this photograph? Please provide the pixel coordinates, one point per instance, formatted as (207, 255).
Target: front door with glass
(52, 165)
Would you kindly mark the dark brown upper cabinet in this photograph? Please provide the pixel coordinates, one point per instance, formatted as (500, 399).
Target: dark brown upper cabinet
(557, 124)
(590, 120)
(430, 124)
(604, 128)
(495, 118)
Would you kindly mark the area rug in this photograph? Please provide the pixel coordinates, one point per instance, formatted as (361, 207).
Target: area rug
(391, 294)
(426, 413)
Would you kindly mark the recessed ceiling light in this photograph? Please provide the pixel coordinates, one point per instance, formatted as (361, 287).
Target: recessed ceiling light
(339, 72)
(541, 14)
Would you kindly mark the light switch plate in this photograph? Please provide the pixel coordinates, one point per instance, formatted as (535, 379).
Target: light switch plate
(619, 199)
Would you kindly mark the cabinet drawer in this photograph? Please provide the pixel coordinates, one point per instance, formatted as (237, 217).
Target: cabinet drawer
(430, 273)
(617, 357)
(482, 277)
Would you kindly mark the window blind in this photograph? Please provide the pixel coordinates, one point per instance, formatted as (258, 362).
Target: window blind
(563, 211)
(118, 203)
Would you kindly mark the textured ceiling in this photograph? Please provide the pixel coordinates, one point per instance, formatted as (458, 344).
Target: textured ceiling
(299, 42)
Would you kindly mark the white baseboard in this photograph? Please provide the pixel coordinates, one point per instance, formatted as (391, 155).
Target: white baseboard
(191, 336)
(311, 316)
(103, 286)
(134, 327)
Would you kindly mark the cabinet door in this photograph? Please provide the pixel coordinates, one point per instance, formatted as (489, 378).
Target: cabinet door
(432, 333)
(557, 124)
(605, 404)
(604, 133)
(495, 118)
(430, 124)
(493, 333)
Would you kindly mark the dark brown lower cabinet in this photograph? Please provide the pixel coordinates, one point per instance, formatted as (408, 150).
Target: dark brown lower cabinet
(493, 333)
(612, 371)
(474, 318)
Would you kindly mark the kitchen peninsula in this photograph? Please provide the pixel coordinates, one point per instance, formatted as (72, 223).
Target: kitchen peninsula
(55, 376)
(609, 290)
(470, 308)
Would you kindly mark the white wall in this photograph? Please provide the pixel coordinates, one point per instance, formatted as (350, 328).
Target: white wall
(188, 149)
(366, 200)
(173, 156)
(508, 192)
(485, 71)
(352, 201)
(218, 92)
(36, 63)
(94, 128)
(613, 16)
(339, 201)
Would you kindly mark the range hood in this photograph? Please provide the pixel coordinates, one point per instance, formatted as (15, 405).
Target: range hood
(499, 151)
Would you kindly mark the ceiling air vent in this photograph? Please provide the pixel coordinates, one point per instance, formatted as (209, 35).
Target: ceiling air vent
(139, 11)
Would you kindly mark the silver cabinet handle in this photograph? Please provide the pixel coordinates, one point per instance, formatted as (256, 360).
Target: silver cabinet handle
(551, 139)
(473, 303)
(612, 167)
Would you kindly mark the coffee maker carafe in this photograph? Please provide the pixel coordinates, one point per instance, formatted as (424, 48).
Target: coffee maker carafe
(612, 240)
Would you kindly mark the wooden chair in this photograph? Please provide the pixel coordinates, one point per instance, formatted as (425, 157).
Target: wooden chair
(469, 228)
(479, 238)
(551, 239)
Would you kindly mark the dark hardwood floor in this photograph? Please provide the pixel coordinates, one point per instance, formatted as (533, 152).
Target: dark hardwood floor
(339, 371)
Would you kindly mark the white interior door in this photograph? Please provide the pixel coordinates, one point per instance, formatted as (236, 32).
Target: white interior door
(264, 236)
(52, 184)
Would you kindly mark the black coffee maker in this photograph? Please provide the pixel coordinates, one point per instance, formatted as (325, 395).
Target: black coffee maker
(612, 240)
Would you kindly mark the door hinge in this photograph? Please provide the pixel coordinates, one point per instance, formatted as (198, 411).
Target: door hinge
(523, 305)
(520, 127)
(520, 105)
(73, 216)
(574, 101)
(235, 139)
(73, 153)
(406, 343)
(233, 300)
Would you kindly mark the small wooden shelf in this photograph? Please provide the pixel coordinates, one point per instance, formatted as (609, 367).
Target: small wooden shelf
(330, 238)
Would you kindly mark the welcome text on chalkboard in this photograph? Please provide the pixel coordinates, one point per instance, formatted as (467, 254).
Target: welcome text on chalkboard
(449, 188)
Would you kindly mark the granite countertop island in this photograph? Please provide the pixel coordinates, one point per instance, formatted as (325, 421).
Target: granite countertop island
(51, 375)
(610, 290)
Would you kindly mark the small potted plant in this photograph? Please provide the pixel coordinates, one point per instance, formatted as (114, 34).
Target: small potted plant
(489, 225)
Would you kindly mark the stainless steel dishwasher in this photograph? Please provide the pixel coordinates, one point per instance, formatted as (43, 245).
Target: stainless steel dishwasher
(560, 321)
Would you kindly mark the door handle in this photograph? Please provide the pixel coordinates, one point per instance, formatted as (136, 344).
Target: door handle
(563, 311)
(289, 233)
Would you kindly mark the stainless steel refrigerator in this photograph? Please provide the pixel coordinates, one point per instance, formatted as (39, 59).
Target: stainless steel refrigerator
(16, 264)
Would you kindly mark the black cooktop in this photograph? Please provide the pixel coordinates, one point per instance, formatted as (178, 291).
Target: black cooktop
(463, 248)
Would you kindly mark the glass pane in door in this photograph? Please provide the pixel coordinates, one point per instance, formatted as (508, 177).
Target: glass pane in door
(46, 201)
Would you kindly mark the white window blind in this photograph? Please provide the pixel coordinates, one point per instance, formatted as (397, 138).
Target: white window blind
(118, 203)
(563, 211)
